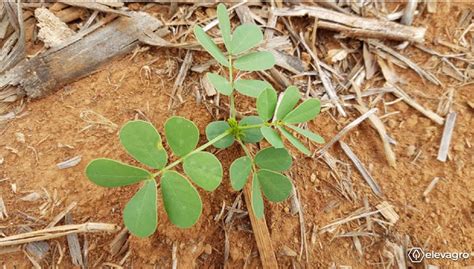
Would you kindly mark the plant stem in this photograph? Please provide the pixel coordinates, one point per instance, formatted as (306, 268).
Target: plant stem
(231, 80)
(258, 125)
(201, 148)
(247, 152)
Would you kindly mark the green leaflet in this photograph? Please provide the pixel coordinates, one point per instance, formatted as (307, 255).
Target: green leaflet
(239, 172)
(216, 128)
(140, 213)
(257, 199)
(110, 173)
(251, 87)
(181, 134)
(294, 141)
(220, 83)
(251, 135)
(209, 45)
(275, 186)
(255, 61)
(224, 25)
(310, 135)
(290, 98)
(272, 137)
(245, 37)
(275, 159)
(304, 112)
(143, 142)
(266, 103)
(204, 169)
(181, 200)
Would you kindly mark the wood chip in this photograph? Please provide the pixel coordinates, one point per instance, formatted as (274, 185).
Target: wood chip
(361, 168)
(69, 163)
(388, 212)
(73, 244)
(52, 31)
(446, 138)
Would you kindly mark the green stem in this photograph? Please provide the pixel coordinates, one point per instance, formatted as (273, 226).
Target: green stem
(201, 148)
(231, 80)
(258, 125)
(247, 152)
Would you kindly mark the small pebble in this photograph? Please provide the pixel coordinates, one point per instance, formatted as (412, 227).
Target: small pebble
(20, 138)
(313, 177)
(287, 209)
(411, 150)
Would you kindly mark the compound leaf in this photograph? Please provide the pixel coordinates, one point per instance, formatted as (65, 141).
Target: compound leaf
(257, 199)
(275, 159)
(140, 213)
(209, 45)
(272, 137)
(111, 173)
(143, 142)
(245, 36)
(251, 135)
(266, 103)
(304, 112)
(224, 25)
(216, 128)
(220, 83)
(275, 186)
(251, 87)
(181, 134)
(310, 135)
(294, 141)
(255, 61)
(204, 169)
(239, 172)
(290, 98)
(181, 200)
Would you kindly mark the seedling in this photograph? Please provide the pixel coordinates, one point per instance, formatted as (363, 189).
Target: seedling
(275, 119)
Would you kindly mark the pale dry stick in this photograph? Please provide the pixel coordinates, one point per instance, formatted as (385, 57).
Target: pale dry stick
(61, 215)
(349, 219)
(431, 186)
(420, 71)
(446, 138)
(368, 92)
(188, 60)
(73, 244)
(346, 129)
(428, 113)
(355, 25)
(261, 234)
(324, 78)
(380, 127)
(55, 232)
(362, 170)
(3, 210)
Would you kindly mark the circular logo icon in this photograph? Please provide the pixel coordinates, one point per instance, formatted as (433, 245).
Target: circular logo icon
(415, 255)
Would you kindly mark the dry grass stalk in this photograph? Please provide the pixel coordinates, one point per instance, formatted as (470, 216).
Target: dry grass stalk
(61, 215)
(55, 232)
(346, 129)
(3, 210)
(73, 244)
(362, 170)
(431, 186)
(388, 212)
(446, 138)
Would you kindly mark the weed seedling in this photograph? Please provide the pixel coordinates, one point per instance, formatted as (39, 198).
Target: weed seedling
(276, 120)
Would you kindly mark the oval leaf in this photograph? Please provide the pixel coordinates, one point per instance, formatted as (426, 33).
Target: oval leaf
(209, 45)
(245, 36)
(216, 128)
(140, 213)
(181, 200)
(273, 159)
(224, 25)
(251, 87)
(204, 169)
(290, 98)
(294, 141)
(143, 142)
(255, 61)
(181, 134)
(272, 137)
(304, 112)
(251, 135)
(275, 186)
(239, 172)
(266, 103)
(110, 173)
(310, 135)
(257, 199)
(220, 83)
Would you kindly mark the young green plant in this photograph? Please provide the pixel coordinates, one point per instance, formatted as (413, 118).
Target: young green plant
(275, 121)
